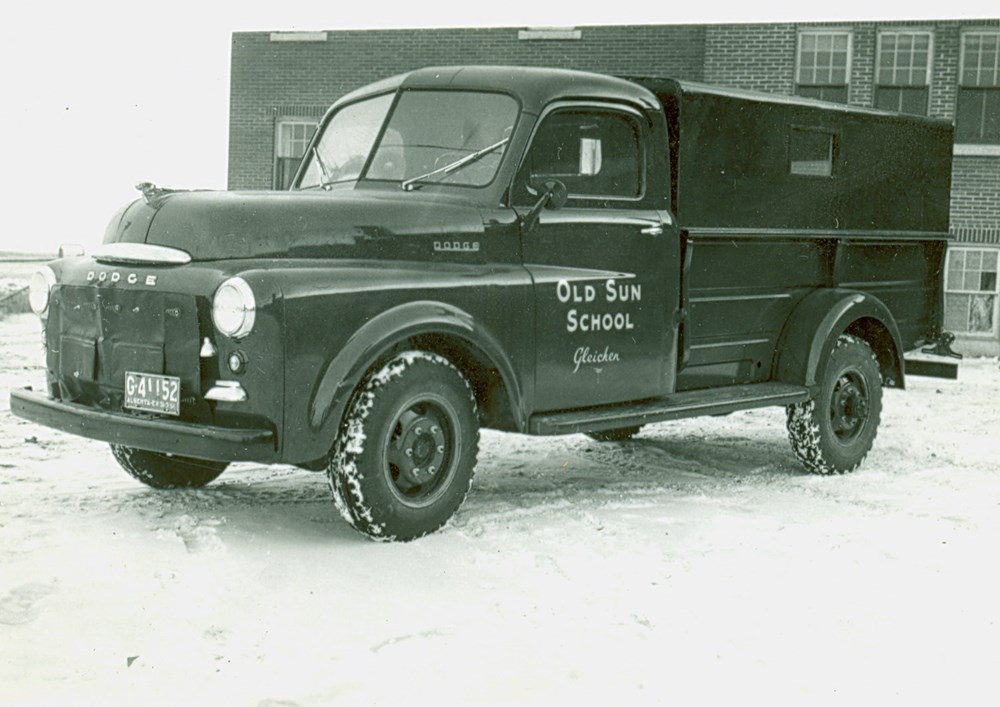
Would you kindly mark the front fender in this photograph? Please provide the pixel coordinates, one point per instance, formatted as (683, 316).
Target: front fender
(346, 369)
(819, 319)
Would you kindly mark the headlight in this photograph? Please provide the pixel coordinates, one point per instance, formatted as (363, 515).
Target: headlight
(38, 290)
(233, 309)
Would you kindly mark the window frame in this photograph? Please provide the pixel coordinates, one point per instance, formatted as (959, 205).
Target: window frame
(639, 120)
(849, 64)
(928, 75)
(961, 51)
(835, 138)
(966, 33)
(995, 292)
(282, 122)
(324, 124)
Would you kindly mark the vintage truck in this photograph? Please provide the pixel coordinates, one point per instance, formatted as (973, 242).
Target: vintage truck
(532, 250)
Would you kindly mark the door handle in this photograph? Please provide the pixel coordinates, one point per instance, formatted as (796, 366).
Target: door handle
(652, 230)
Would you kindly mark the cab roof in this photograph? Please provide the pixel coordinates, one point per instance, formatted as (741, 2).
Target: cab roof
(534, 87)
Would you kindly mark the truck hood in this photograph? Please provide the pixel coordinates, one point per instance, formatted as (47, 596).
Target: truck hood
(215, 225)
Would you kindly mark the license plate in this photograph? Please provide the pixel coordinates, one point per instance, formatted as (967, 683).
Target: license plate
(153, 393)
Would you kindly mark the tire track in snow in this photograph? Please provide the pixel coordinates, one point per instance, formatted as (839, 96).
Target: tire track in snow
(21, 605)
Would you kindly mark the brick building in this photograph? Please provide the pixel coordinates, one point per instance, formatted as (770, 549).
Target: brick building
(282, 82)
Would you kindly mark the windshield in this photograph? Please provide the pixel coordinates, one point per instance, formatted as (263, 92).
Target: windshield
(463, 131)
(347, 140)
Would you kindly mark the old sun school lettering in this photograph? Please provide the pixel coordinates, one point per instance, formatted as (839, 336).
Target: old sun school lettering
(613, 292)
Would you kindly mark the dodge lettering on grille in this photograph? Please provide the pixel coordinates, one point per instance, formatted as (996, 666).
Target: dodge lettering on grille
(114, 276)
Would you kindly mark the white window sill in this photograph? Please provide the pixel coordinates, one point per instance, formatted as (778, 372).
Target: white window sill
(977, 150)
(298, 36)
(557, 33)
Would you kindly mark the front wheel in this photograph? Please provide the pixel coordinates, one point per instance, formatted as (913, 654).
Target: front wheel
(403, 463)
(833, 432)
(165, 471)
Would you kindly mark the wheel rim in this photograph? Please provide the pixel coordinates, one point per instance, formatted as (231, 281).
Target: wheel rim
(849, 406)
(421, 450)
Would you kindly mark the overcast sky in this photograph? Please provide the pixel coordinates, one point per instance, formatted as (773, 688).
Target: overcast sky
(101, 95)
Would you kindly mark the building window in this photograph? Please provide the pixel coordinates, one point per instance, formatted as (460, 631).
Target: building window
(824, 65)
(978, 115)
(904, 71)
(290, 142)
(971, 294)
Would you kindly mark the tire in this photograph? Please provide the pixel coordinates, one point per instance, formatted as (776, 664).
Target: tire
(404, 459)
(620, 434)
(833, 432)
(163, 471)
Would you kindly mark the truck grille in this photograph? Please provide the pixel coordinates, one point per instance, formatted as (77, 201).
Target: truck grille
(93, 335)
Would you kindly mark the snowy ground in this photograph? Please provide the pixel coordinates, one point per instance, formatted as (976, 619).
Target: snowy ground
(694, 565)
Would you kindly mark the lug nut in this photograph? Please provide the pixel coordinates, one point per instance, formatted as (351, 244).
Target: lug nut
(435, 429)
(440, 449)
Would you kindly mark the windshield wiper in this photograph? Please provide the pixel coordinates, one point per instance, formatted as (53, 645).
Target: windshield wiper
(408, 184)
(327, 179)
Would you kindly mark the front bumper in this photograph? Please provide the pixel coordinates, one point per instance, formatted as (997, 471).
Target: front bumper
(154, 434)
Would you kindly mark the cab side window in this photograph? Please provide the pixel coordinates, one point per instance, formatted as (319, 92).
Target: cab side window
(595, 153)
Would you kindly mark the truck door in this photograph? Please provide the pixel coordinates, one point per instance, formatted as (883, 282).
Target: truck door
(605, 266)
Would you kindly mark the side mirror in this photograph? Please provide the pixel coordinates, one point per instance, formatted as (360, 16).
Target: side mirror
(554, 196)
(557, 192)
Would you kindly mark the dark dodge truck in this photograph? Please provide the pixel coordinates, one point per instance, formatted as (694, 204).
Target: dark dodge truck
(524, 249)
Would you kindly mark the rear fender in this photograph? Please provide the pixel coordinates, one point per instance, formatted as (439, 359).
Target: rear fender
(380, 335)
(819, 319)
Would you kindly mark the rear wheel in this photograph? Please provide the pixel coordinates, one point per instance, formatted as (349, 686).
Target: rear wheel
(619, 434)
(165, 471)
(833, 432)
(404, 462)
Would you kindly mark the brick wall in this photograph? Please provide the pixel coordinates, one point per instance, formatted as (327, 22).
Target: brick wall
(975, 193)
(270, 79)
(864, 40)
(975, 180)
(753, 57)
(944, 71)
(761, 57)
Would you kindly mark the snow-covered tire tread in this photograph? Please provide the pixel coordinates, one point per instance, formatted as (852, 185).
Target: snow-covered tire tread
(345, 476)
(161, 471)
(804, 426)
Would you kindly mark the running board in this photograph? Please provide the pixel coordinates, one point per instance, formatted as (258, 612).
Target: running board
(933, 369)
(711, 401)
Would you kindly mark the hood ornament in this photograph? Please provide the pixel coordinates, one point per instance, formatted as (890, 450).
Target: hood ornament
(151, 192)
